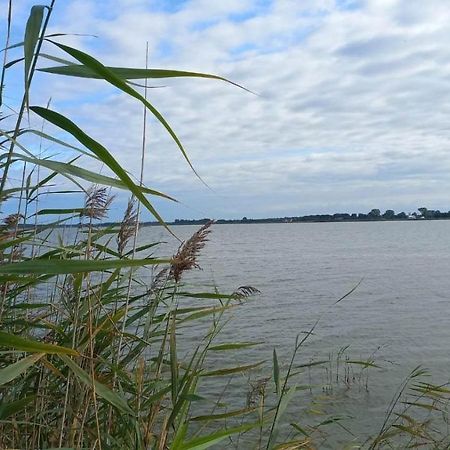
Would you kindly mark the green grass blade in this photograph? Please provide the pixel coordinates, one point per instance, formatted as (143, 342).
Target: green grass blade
(237, 412)
(56, 141)
(12, 371)
(60, 266)
(276, 372)
(106, 74)
(28, 345)
(204, 442)
(67, 169)
(9, 409)
(101, 390)
(101, 152)
(12, 63)
(207, 295)
(127, 73)
(285, 399)
(13, 242)
(142, 248)
(15, 279)
(233, 346)
(231, 370)
(32, 30)
(205, 312)
(299, 429)
(426, 406)
(59, 211)
(365, 364)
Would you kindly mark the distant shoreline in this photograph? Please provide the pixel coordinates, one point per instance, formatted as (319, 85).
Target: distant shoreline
(266, 221)
(256, 222)
(373, 216)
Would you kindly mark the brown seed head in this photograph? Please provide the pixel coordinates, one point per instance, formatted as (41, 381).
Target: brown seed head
(245, 291)
(97, 203)
(186, 256)
(127, 227)
(12, 220)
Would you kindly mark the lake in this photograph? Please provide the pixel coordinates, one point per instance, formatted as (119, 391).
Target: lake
(398, 315)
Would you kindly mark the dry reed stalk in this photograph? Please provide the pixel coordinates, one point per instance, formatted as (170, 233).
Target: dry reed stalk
(98, 201)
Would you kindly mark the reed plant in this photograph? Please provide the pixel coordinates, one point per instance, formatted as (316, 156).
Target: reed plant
(92, 322)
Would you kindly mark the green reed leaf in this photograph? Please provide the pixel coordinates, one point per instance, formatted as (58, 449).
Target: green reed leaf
(101, 390)
(28, 345)
(60, 266)
(12, 371)
(282, 405)
(32, 30)
(365, 364)
(231, 370)
(429, 407)
(204, 442)
(142, 248)
(15, 279)
(59, 211)
(127, 73)
(409, 430)
(207, 295)
(157, 396)
(12, 63)
(67, 169)
(205, 312)
(276, 372)
(101, 152)
(57, 141)
(237, 412)
(9, 409)
(233, 346)
(299, 429)
(6, 244)
(103, 72)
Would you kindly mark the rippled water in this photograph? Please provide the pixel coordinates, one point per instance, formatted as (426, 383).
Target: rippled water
(399, 312)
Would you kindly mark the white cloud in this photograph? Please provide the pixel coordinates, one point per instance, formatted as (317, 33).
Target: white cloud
(352, 113)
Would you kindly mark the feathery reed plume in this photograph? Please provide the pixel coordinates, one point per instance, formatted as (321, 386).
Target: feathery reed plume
(97, 203)
(256, 391)
(186, 256)
(16, 254)
(128, 226)
(159, 279)
(9, 224)
(245, 291)
(12, 220)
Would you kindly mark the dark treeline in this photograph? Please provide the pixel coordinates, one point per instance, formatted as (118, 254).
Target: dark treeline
(373, 215)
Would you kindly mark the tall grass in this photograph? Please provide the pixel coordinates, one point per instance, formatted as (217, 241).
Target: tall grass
(91, 322)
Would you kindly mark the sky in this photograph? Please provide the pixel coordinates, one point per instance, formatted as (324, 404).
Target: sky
(351, 112)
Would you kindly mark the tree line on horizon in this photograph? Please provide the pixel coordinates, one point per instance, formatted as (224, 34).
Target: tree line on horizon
(373, 215)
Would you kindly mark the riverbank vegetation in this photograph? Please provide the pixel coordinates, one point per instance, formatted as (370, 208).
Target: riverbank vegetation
(92, 340)
(372, 216)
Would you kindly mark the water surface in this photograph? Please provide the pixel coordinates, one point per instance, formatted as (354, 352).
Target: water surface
(398, 314)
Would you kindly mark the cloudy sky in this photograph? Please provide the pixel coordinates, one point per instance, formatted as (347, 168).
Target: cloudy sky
(352, 111)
